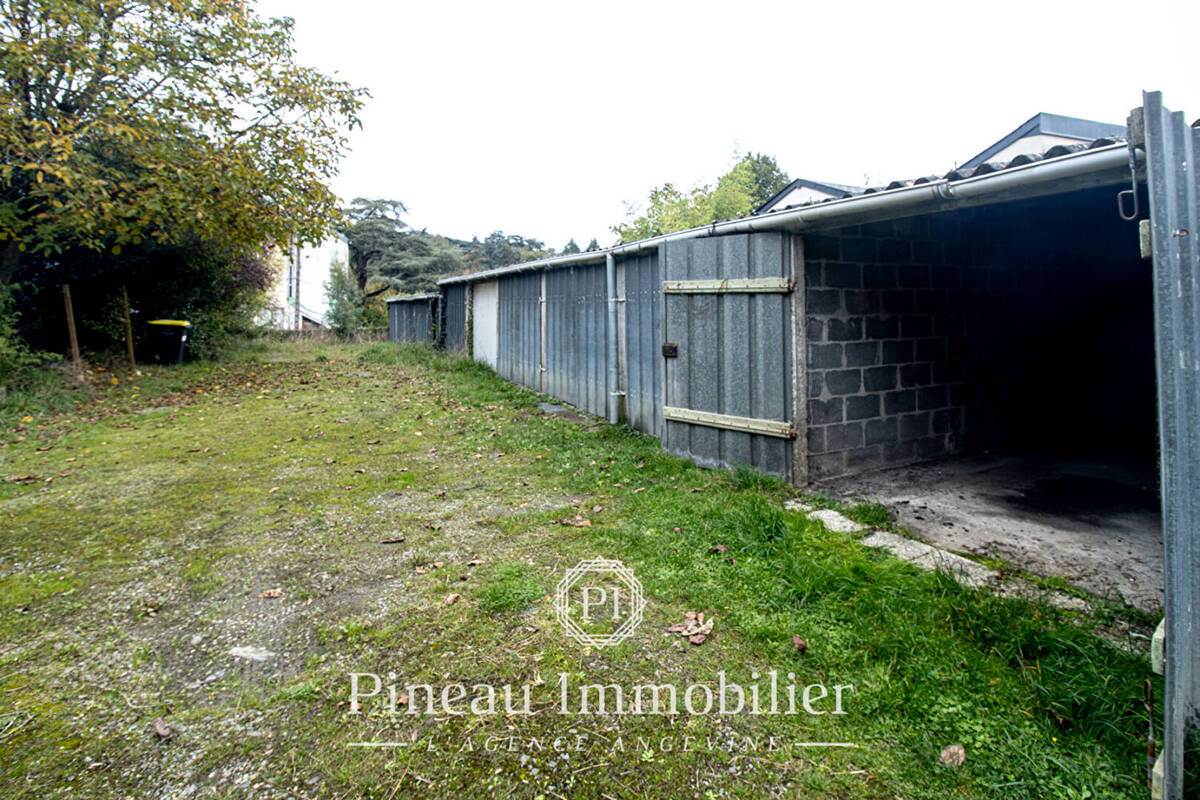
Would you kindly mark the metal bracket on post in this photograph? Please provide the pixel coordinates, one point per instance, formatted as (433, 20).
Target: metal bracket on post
(1136, 137)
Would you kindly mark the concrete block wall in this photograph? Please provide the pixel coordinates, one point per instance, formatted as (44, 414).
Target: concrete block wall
(896, 326)
(1025, 326)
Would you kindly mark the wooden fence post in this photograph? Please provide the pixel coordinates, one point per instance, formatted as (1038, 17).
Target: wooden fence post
(71, 330)
(128, 328)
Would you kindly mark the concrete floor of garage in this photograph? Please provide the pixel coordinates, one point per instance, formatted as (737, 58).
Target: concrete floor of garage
(1095, 523)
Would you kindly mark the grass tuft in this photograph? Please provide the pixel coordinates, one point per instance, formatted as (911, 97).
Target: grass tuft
(510, 588)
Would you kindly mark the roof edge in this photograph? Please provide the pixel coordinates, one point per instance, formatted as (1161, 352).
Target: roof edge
(918, 198)
(406, 298)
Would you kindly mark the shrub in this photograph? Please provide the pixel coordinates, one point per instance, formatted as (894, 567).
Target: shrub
(15, 355)
(345, 301)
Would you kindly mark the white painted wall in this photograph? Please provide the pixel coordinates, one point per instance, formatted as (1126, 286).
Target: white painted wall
(315, 264)
(485, 322)
(799, 196)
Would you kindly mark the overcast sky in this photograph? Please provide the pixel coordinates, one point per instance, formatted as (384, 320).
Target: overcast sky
(545, 119)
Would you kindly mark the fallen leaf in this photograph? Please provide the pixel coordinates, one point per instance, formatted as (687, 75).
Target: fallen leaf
(395, 540)
(695, 628)
(639, 489)
(360, 471)
(163, 729)
(953, 755)
(374, 441)
(452, 598)
(474, 562)
(718, 548)
(799, 644)
(438, 564)
(273, 490)
(420, 570)
(271, 593)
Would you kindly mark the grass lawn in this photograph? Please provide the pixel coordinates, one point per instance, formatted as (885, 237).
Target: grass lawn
(178, 515)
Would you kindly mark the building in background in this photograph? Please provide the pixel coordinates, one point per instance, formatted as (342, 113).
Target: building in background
(802, 190)
(1043, 131)
(298, 299)
(1034, 137)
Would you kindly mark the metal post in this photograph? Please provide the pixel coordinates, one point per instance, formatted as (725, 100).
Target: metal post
(297, 319)
(610, 275)
(1171, 151)
(542, 377)
(799, 359)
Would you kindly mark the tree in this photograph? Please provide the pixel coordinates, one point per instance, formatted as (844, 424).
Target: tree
(216, 285)
(375, 233)
(737, 193)
(734, 194)
(132, 120)
(387, 255)
(345, 313)
(593, 245)
(500, 249)
(570, 248)
(669, 210)
(769, 179)
(417, 265)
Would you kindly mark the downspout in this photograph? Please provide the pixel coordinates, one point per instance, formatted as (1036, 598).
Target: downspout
(610, 277)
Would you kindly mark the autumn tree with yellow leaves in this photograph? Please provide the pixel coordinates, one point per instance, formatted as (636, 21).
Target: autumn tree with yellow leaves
(127, 121)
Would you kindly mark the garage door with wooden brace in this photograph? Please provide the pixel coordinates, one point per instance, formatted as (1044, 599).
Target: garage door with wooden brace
(727, 351)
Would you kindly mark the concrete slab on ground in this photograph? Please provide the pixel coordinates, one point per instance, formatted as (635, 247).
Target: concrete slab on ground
(1094, 523)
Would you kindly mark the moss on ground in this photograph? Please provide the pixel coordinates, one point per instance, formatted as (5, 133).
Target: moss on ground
(177, 515)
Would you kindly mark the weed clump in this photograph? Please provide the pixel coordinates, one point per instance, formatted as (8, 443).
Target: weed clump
(510, 588)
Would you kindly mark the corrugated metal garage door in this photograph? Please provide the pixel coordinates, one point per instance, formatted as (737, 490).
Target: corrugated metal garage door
(727, 310)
